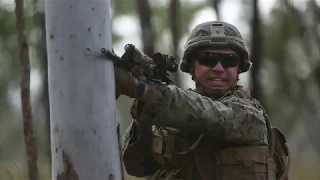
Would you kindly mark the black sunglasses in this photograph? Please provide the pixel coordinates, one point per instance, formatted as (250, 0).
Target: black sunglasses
(211, 59)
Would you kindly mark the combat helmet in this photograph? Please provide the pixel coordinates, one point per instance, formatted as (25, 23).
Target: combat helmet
(216, 34)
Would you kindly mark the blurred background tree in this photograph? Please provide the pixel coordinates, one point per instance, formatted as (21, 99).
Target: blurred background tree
(288, 74)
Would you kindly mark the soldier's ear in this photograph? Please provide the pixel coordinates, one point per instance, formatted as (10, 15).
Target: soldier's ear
(192, 68)
(191, 71)
(238, 73)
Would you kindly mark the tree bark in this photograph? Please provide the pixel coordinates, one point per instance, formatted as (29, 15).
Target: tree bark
(84, 140)
(256, 53)
(147, 34)
(25, 93)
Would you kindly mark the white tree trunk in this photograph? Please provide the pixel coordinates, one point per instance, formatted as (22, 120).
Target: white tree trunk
(84, 141)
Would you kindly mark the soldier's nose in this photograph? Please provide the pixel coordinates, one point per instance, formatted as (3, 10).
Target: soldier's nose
(218, 67)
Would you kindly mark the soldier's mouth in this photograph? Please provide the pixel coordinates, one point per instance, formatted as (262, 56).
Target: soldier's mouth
(217, 82)
(216, 79)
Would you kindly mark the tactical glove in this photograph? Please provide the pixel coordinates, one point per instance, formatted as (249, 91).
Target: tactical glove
(126, 83)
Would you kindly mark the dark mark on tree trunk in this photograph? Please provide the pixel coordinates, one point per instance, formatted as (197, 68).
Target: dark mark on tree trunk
(69, 172)
(111, 177)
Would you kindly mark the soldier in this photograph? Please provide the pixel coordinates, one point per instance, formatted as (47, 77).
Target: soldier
(216, 131)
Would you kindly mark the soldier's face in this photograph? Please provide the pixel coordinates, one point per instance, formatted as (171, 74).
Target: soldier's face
(216, 70)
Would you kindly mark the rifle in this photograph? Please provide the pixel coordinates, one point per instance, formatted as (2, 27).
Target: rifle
(154, 69)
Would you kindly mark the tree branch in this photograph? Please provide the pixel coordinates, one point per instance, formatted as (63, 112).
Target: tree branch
(144, 12)
(174, 20)
(25, 93)
(215, 5)
(256, 52)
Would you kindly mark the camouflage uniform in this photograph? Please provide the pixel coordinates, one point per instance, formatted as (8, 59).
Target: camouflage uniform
(193, 137)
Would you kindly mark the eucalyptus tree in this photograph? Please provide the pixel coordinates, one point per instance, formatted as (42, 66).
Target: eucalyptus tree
(84, 139)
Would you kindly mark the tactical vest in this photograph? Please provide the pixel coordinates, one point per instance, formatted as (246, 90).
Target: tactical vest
(230, 163)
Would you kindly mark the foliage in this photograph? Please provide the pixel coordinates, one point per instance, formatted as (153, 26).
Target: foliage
(287, 53)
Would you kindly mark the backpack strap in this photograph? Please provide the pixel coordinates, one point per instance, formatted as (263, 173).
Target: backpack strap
(282, 152)
(278, 146)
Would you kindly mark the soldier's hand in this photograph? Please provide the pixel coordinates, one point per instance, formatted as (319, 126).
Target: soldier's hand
(126, 80)
(126, 83)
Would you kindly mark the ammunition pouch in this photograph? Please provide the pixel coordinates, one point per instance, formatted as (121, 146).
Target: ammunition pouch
(170, 149)
(245, 162)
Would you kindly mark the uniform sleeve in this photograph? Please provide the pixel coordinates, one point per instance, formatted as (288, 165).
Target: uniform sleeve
(232, 119)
